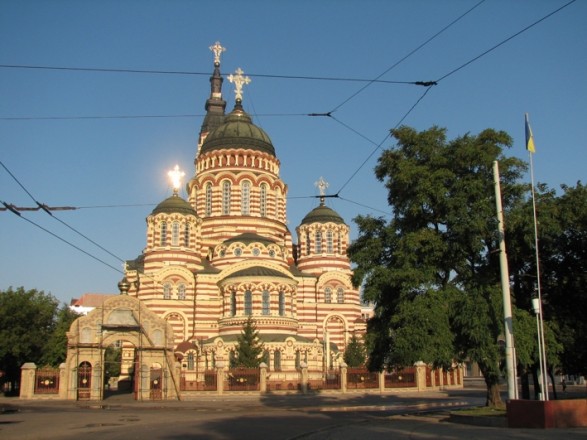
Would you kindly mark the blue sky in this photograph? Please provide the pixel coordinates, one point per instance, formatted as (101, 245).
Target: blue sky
(107, 161)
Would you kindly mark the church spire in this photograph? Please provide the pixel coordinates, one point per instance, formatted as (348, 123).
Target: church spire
(215, 105)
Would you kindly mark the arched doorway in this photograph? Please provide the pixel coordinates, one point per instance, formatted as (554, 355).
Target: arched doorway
(120, 372)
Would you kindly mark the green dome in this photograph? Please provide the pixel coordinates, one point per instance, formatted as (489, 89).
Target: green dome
(322, 214)
(174, 204)
(238, 131)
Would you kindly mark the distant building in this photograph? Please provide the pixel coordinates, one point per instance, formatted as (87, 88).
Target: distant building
(88, 302)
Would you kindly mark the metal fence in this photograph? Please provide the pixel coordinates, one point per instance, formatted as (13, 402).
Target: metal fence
(361, 378)
(194, 381)
(243, 379)
(47, 381)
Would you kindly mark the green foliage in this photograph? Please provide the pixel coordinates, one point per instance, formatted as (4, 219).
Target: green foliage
(562, 234)
(249, 349)
(55, 349)
(27, 321)
(112, 359)
(354, 355)
(432, 271)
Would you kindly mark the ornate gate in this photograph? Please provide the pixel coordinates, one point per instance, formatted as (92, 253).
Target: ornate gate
(155, 383)
(84, 381)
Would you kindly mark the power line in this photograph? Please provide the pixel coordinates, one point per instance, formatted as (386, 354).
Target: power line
(46, 208)
(505, 41)
(179, 72)
(401, 60)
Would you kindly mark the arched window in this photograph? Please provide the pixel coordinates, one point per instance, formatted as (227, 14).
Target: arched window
(175, 234)
(298, 359)
(266, 358)
(226, 197)
(186, 235)
(340, 295)
(167, 291)
(248, 303)
(181, 291)
(233, 304)
(266, 304)
(277, 360)
(208, 199)
(163, 236)
(329, 242)
(318, 242)
(281, 304)
(308, 249)
(246, 198)
(191, 360)
(328, 295)
(263, 200)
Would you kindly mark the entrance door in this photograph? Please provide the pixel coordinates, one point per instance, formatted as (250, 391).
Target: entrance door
(84, 381)
(155, 381)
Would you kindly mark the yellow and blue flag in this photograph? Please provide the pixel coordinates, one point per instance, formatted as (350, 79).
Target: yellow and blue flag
(529, 137)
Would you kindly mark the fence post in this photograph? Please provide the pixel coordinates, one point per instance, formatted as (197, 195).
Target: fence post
(63, 381)
(304, 371)
(420, 375)
(343, 377)
(381, 378)
(220, 377)
(27, 380)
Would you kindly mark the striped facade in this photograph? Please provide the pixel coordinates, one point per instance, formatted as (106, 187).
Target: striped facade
(226, 253)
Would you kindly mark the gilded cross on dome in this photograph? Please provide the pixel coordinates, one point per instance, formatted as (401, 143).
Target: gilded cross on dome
(217, 49)
(175, 175)
(239, 80)
(322, 185)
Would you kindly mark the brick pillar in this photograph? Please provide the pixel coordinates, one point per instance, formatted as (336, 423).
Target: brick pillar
(27, 380)
(381, 381)
(343, 378)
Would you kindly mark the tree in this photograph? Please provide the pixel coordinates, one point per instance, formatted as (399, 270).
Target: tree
(26, 323)
(433, 269)
(354, 355)
(562, 236)
(249, 349)
(55, 348)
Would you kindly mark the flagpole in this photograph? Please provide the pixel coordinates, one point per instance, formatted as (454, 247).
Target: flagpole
(537, 307)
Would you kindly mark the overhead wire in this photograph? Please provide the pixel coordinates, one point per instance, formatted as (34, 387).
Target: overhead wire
(47, 210)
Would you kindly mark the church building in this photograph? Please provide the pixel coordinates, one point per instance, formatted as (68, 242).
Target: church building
(226, 253)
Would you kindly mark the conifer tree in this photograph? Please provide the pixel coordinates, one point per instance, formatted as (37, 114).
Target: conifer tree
(354, 355)
(249, 349)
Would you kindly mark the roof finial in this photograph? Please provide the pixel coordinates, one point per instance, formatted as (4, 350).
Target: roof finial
(322, 185)
(217, 49)
(175, 175)
(239, 80)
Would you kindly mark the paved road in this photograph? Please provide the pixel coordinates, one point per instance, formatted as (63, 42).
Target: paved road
(324, 416)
